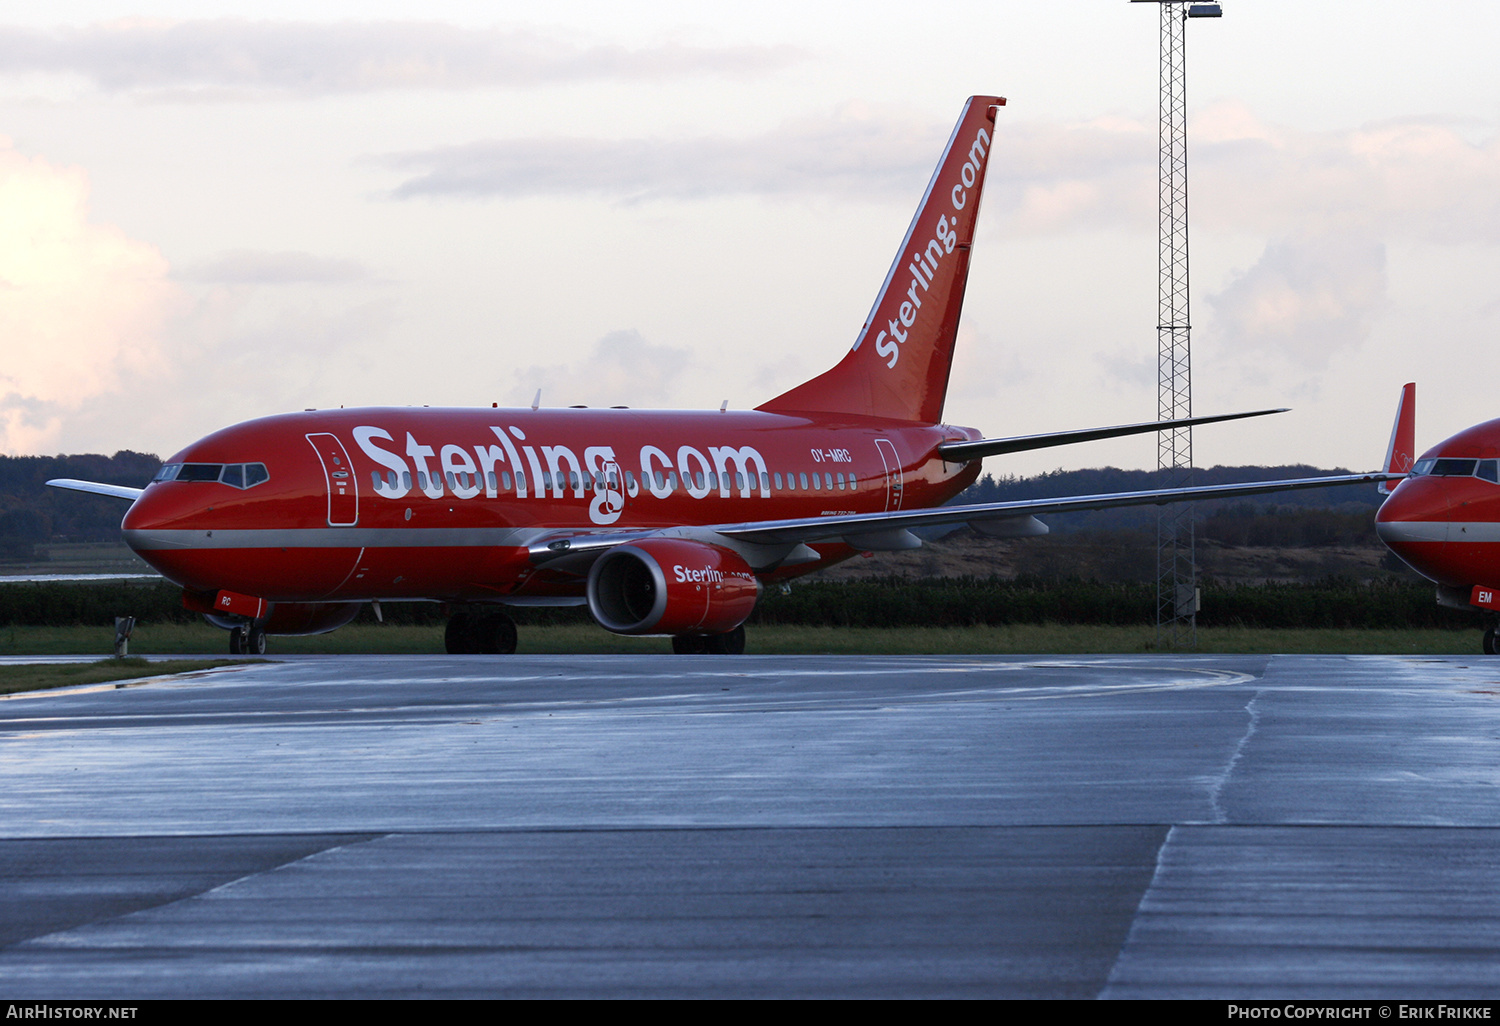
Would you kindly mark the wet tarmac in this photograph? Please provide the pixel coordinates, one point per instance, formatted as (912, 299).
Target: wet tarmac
(607, 826)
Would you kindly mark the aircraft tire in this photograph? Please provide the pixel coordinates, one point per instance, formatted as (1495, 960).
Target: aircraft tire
(728, 643)
(255, 641)
(237, 641)
(1491, 643)
(690, 644)
(459, 637)
(495, 634)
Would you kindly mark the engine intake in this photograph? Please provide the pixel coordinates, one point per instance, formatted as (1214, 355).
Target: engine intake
(671, 586)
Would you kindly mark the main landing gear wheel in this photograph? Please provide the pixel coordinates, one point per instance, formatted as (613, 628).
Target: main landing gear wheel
(237, 641)
(1491, 642)
(728, 643)
(689, 644)
(489, 633)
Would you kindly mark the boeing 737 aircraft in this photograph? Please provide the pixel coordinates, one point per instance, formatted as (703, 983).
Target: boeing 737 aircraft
(1443, 520)
(664, 523)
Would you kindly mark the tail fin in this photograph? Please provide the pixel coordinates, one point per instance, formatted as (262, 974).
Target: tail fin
(1402, 452)
(901, 371)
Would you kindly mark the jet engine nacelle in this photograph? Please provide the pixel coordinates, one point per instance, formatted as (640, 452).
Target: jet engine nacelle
(292, 618)
(671, 586)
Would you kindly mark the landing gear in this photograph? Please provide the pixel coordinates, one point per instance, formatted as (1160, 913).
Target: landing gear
(728, 643)
(1491, 641)
(690, 644)
(247, 639)
(487, 633)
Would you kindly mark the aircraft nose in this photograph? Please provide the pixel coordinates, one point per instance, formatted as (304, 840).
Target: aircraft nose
(156, 509)
(1415, 501)
(1413, 523)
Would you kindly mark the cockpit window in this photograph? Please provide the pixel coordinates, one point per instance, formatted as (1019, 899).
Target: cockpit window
(1487, 470)
(200, 471)
(1453, 468)
(236, 475)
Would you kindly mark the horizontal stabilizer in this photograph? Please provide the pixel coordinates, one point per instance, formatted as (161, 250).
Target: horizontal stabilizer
(114, 491)
(963, 452)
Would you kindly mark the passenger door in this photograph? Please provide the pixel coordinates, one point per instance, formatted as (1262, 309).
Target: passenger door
(338, 472)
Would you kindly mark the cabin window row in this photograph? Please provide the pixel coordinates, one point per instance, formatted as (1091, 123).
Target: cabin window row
(664, 480)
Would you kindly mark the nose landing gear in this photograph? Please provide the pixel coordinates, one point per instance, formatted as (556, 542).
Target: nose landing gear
(247, 639)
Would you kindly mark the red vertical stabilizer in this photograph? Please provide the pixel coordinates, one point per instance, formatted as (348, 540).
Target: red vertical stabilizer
(898, 368)
(1402, 452)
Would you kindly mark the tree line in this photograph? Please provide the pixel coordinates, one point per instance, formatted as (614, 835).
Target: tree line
(890, 602)
(31, 514)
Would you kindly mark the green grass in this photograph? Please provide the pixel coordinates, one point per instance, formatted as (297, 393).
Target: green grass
(38, 676)
(197, 639)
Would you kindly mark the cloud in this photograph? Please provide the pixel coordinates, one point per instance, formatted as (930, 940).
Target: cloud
(622, 369)
(1417, 179)
(1414, 180)
(229, 354)
(1049, 178)
(81, 304)
(257, 267)
(1045, 177)
(317, 58)
(852, 152)
(1306, 298)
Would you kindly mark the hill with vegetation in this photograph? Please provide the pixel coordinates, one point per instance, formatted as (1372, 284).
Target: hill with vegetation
(33, 515)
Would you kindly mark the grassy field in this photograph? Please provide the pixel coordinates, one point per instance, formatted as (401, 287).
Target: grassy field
(38, 676)
(198, 639)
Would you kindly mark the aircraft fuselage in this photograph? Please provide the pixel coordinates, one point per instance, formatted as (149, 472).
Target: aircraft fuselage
(403, 502)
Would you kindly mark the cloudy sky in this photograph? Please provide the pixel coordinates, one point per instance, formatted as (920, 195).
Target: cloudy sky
(215, 210)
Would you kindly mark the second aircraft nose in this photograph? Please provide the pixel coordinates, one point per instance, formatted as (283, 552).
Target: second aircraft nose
(1413, 523)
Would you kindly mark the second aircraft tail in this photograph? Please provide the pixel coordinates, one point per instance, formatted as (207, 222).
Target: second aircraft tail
(1402, 452)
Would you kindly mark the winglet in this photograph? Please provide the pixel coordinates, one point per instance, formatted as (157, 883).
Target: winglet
(1402, 452)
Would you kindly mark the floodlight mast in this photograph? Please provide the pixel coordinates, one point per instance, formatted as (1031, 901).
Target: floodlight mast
(1176, 562)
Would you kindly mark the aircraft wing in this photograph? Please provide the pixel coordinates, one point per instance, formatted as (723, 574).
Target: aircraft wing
(963, 452)
(114, 491)
(884, 531)
(852, 527)
(74, 578)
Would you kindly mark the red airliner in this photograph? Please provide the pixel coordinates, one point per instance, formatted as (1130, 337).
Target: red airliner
(1443, 520)
(664, 523)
